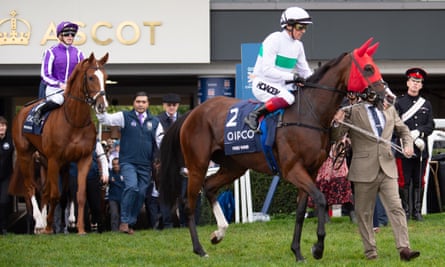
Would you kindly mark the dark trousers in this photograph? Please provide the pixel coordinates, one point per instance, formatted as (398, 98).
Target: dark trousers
(94, 200)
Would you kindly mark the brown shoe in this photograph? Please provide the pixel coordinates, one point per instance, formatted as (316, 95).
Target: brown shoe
(123, 228)
(407, 254)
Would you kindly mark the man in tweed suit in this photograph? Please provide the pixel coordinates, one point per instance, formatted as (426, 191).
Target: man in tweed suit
(373, 171)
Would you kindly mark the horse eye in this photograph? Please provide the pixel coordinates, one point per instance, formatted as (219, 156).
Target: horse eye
(368, 70)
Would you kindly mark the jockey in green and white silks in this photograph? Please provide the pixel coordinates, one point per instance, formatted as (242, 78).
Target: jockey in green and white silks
(281, 58)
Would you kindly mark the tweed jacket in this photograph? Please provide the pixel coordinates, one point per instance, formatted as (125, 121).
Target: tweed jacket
(369, 155)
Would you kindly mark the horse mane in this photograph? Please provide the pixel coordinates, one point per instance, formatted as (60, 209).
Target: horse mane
(320, 72)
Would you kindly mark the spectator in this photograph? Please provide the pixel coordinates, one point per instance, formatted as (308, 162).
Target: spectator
(373, 170)
(141, 134)
(170, 105)
(113, 152)
(6, 156)
(417, 113)
(331, 178)
(116, 186)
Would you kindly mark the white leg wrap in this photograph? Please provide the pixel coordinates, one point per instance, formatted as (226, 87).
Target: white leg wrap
(37, 215)
(220, 220)
(72, 217)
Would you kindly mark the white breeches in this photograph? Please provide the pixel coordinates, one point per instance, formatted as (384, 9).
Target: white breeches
(264, 91)
(54, 94)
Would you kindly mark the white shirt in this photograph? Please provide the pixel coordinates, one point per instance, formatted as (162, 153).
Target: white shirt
(281, 57)
(117, 119)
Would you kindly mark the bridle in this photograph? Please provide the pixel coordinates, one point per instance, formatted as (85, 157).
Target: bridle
(89, 100)
(368, 93)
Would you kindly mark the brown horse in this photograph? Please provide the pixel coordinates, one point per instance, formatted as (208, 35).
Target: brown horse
(69, 135)
(301, 143)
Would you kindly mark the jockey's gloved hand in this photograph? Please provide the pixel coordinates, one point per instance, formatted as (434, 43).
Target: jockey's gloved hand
(299, 79)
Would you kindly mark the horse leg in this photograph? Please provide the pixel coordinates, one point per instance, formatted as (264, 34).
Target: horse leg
(83, 166)
(40, 222)
(222, 223)
(193, 187)
(302, 180)
(72, 216)
(301, 211)
(320, 203)
(212, 184)
(52, 191)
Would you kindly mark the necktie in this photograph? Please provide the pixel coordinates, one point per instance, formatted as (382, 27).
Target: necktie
(170, 120)
(141, 118)
(377, 122)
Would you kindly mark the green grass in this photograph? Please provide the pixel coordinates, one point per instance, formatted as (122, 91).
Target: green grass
(254, 244)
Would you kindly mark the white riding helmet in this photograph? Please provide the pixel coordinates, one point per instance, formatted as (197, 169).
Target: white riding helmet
(294, 15)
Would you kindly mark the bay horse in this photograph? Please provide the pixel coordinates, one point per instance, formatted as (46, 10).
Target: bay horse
(69, 135)
(301, 144)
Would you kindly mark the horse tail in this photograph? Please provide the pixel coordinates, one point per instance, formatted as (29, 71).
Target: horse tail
(171, 161)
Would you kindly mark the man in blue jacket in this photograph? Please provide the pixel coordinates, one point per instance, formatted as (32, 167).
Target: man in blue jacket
(141, 135)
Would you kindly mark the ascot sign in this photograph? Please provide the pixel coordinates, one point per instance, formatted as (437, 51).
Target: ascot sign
(149, 31)
(130, 26)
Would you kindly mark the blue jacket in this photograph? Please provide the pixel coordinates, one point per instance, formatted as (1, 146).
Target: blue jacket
(138, 142)
(116, 186)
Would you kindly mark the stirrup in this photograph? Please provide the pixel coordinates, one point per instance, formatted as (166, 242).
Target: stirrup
(255, 130)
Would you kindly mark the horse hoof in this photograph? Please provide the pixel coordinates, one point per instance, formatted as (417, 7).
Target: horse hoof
(201, 253)
(317, 252)
(214, 238)
(39, 231)
(82, 233)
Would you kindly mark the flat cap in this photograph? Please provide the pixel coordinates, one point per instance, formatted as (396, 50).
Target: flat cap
(171, 98)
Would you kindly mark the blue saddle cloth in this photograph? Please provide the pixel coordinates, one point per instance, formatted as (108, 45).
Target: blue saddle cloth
(29, 126)
(239, 138)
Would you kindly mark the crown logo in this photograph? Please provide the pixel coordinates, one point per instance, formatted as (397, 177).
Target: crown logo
(14, 37)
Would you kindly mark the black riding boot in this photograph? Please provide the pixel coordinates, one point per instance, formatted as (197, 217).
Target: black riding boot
(418, 197)
(49, 105)
(252, 119)
(404, 196)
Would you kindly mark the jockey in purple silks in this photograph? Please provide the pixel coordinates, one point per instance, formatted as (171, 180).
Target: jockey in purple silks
(58, 64)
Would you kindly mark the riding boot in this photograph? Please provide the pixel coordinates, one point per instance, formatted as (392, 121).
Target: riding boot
(252, 119)
(271, 105)
(418, 197)
(49, 105)
(404, 196)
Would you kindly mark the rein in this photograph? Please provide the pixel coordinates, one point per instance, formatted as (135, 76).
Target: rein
(329, 88)
(91, 101)
(314, 86)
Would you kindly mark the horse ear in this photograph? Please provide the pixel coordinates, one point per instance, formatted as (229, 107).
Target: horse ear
(104, 59)
(371, 50)
(362, 50)
(91, 58)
